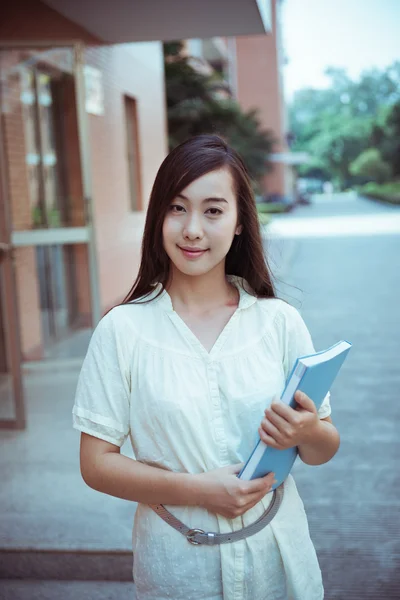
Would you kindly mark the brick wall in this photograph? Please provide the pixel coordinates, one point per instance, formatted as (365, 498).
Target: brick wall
(258, 86)
(74, 191)
(135, 70)
(132, 69)
(33, 20)
(15, 150)
(20, 210)
(28, 303)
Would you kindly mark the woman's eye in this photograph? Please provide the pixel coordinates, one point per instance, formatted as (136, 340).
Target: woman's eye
(215, 211)
(176, 208)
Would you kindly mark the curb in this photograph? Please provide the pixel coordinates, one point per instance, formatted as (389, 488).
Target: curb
(67, 565)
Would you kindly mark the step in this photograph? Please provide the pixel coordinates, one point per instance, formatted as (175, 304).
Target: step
(65, 590)
(67, 565)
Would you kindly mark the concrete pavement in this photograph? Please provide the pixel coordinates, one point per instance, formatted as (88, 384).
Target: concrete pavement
(53, 527)
(347, 286)
(64, 590)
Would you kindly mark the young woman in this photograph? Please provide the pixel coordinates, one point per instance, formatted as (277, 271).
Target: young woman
(189, 366)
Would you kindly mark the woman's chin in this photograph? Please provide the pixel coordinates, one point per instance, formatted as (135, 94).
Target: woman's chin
(193, 269)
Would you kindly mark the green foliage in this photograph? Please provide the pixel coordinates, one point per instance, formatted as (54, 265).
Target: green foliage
(387, 192)
(390, 139)
(369, 165)
(173, 48)
(194, 108)
(335, 125)
(340, 142)
(271, 207)
(314, 168)
(264, 218)
(184, 84)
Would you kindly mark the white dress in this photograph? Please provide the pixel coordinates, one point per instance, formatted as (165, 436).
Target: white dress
(146, 375)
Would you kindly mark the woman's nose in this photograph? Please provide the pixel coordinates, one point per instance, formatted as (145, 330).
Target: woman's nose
(193, 228)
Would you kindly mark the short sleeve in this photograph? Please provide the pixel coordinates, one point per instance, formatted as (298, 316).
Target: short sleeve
(102, 399)
(296, 341)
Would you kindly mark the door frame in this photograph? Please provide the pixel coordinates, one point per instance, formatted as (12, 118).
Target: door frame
(9, 305)
(72, 235)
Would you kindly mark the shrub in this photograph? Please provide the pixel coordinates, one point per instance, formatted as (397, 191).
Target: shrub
(269, 207)
(194, 107)
(369, 164)
(388, 192)
(264, 218)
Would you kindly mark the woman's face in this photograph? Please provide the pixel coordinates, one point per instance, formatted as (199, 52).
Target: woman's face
(201, 223)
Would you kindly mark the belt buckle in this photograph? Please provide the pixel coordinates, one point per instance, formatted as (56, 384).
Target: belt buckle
(190, 534)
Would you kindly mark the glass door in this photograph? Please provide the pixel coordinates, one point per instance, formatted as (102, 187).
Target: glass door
(48, 273)
(12, 410)
(42, 119)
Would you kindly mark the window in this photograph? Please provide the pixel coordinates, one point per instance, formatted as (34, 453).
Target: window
(132, 153)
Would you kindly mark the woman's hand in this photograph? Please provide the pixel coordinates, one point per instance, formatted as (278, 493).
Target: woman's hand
(222, 492)
(284, 427)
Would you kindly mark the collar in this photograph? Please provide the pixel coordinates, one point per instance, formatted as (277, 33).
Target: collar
(246, 294)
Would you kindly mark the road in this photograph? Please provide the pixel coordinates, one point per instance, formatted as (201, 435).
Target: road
(345, 275)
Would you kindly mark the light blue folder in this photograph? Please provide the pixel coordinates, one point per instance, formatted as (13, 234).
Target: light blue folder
(313, 375)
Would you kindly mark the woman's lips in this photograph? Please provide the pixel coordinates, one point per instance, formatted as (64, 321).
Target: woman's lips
(192, 254)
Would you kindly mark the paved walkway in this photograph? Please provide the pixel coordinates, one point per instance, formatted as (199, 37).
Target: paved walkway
(52, 526)
(348, 287)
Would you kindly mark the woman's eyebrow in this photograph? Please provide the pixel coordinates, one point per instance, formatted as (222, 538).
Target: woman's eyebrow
(216, 200)
(212, 199)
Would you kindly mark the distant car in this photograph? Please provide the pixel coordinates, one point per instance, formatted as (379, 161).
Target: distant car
(310, 185)
(304, 199)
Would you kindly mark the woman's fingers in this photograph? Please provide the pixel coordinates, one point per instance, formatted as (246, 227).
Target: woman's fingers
(269, 429)
(259, 485)
(276, 419)
(255, 498)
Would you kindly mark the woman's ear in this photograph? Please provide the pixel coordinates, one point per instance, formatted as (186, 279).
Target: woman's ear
(239, 229)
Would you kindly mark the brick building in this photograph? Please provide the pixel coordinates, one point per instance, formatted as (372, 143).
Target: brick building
(252, 67)
(83, 131)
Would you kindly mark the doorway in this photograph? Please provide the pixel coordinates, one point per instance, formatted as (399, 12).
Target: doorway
(49, 229)
(48, 274)
(6, 396)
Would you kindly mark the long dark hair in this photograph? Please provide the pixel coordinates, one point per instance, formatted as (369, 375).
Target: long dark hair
(189, 161)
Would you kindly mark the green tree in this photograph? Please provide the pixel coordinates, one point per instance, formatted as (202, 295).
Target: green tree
(335, 125)
(340, 143)
(390, 141)
(194, 107)
(370, 166)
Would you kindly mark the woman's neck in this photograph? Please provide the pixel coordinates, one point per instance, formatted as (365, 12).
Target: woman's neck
(201, 294)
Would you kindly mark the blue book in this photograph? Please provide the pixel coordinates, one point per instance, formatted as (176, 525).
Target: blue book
(313, 375)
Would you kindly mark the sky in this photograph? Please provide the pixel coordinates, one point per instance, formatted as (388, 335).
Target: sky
(354, 34)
